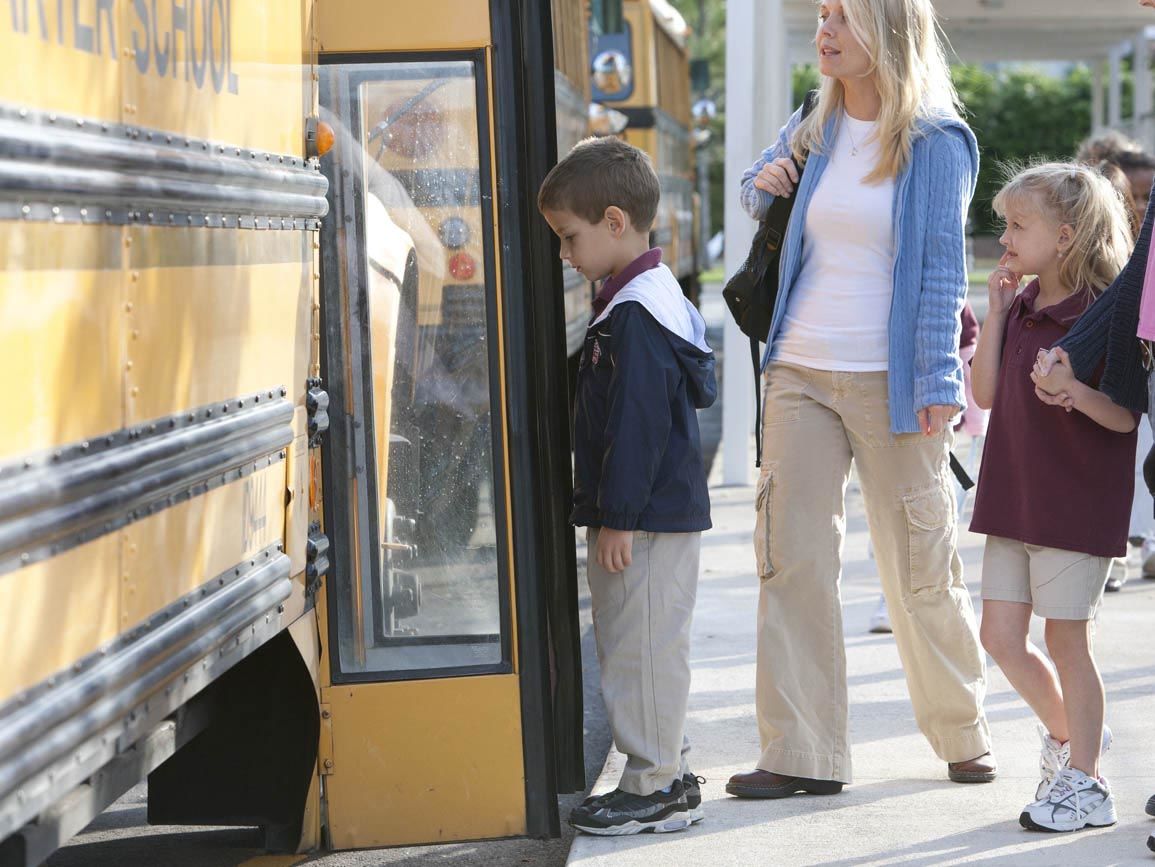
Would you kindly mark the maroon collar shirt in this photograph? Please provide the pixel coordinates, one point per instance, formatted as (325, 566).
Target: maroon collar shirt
(1049, 477)
(652, 258)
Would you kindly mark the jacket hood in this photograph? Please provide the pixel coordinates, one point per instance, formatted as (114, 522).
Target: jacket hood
(659, 292)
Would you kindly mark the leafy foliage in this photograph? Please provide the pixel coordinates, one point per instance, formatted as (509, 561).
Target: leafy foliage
(1018, 114)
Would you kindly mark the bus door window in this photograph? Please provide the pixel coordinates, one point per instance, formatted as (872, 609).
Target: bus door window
(428, 596)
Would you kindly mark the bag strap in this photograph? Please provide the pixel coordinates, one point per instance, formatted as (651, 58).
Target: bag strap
(964, 480)
(755, 357)
(756, 361)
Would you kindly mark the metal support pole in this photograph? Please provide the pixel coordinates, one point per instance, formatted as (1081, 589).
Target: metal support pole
(757, 105)
(1141, 74)
(702, 151)
(1098, 103)
(1115, 90)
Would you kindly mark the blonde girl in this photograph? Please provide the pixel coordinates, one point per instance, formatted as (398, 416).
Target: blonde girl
(1054, 495)
(862, 365)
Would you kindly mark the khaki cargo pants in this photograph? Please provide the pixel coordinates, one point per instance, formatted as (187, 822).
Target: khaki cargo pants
(814, 424)
(642, 619)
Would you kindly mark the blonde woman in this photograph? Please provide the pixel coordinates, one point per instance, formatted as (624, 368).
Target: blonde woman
(862, 365)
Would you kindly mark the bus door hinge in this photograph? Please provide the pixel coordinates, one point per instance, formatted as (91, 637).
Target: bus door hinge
(325, 748)
(317, 406)
(316, 559)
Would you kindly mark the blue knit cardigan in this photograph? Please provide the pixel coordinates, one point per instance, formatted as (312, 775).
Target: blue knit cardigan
(932, 195)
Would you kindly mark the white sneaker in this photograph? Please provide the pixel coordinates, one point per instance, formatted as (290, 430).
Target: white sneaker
(1147, 556)
(880, 619)
(1074, 801)
(1055, 756)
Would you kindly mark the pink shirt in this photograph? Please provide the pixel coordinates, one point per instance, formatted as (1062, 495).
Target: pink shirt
(1147, 305)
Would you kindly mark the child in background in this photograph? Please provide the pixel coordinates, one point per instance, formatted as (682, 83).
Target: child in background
(1054, 519)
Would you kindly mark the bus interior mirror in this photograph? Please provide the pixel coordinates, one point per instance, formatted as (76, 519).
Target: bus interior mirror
(612, 73)
(704, 111)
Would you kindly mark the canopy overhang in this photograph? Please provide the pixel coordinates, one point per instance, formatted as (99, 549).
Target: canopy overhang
(981, 31)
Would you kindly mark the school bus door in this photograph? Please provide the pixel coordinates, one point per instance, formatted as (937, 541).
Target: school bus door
(451, 674)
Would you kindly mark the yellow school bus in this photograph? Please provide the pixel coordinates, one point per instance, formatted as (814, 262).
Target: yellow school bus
(641, 68)
(572, 88)
(284, 487)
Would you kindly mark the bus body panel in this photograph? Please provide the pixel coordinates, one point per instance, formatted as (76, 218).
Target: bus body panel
(451, 768)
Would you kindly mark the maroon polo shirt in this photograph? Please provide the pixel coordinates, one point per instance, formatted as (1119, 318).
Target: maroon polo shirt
(652, 258)
(1050, 477)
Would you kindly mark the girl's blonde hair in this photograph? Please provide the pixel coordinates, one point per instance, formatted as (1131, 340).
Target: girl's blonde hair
(1080, 197)
(901, 37)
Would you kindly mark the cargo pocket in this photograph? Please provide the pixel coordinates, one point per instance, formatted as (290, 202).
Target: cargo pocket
(931, 531)
(763, 541)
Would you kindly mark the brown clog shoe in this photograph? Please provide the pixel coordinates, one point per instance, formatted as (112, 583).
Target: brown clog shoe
(980, 769)
(767, 784)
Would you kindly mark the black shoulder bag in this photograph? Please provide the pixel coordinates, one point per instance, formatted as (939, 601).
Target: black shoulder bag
(752, 291)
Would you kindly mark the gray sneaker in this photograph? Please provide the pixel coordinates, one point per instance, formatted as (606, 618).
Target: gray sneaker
(693, 785)
(624, 813)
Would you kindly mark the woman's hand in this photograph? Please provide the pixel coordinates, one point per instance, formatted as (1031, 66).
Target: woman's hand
(1149, 3)
(778, 178)
(1002, 285)
(934, 419)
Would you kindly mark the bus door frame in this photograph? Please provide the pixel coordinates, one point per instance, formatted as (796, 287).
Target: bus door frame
(537, 423)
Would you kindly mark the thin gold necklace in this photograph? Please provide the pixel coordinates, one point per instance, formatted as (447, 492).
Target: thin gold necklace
(850, 135)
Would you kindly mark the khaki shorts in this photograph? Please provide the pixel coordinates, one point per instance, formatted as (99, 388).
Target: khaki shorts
(1061, 585)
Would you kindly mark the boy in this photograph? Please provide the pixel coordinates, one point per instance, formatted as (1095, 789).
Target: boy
(639, 477)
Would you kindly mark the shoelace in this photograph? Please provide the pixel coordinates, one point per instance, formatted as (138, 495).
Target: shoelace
(1051, 764)
(1061, 790)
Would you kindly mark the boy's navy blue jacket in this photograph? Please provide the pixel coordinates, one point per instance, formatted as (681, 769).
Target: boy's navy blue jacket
(644, 371)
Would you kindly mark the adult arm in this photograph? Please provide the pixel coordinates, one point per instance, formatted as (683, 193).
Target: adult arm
(757, 202)
(938, 377)
(1086, 342)
(1083, 398)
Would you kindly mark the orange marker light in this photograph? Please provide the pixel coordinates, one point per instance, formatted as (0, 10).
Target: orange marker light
(325, 138)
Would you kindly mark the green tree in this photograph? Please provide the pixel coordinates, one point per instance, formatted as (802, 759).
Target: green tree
(1019, 115)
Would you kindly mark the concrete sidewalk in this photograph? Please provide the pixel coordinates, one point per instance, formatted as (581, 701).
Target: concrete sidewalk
(901, 808)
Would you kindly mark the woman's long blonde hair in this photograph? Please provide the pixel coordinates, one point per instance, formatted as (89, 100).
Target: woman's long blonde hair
(901, 37)
(1080, 197)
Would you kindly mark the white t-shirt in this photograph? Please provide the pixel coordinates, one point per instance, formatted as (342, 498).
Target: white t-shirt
(838, 312)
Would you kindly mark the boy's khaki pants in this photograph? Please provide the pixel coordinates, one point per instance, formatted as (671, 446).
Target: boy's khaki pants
(642, 625)
(814, 423)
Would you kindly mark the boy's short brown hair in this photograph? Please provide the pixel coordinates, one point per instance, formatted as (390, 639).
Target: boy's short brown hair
(600, 172)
